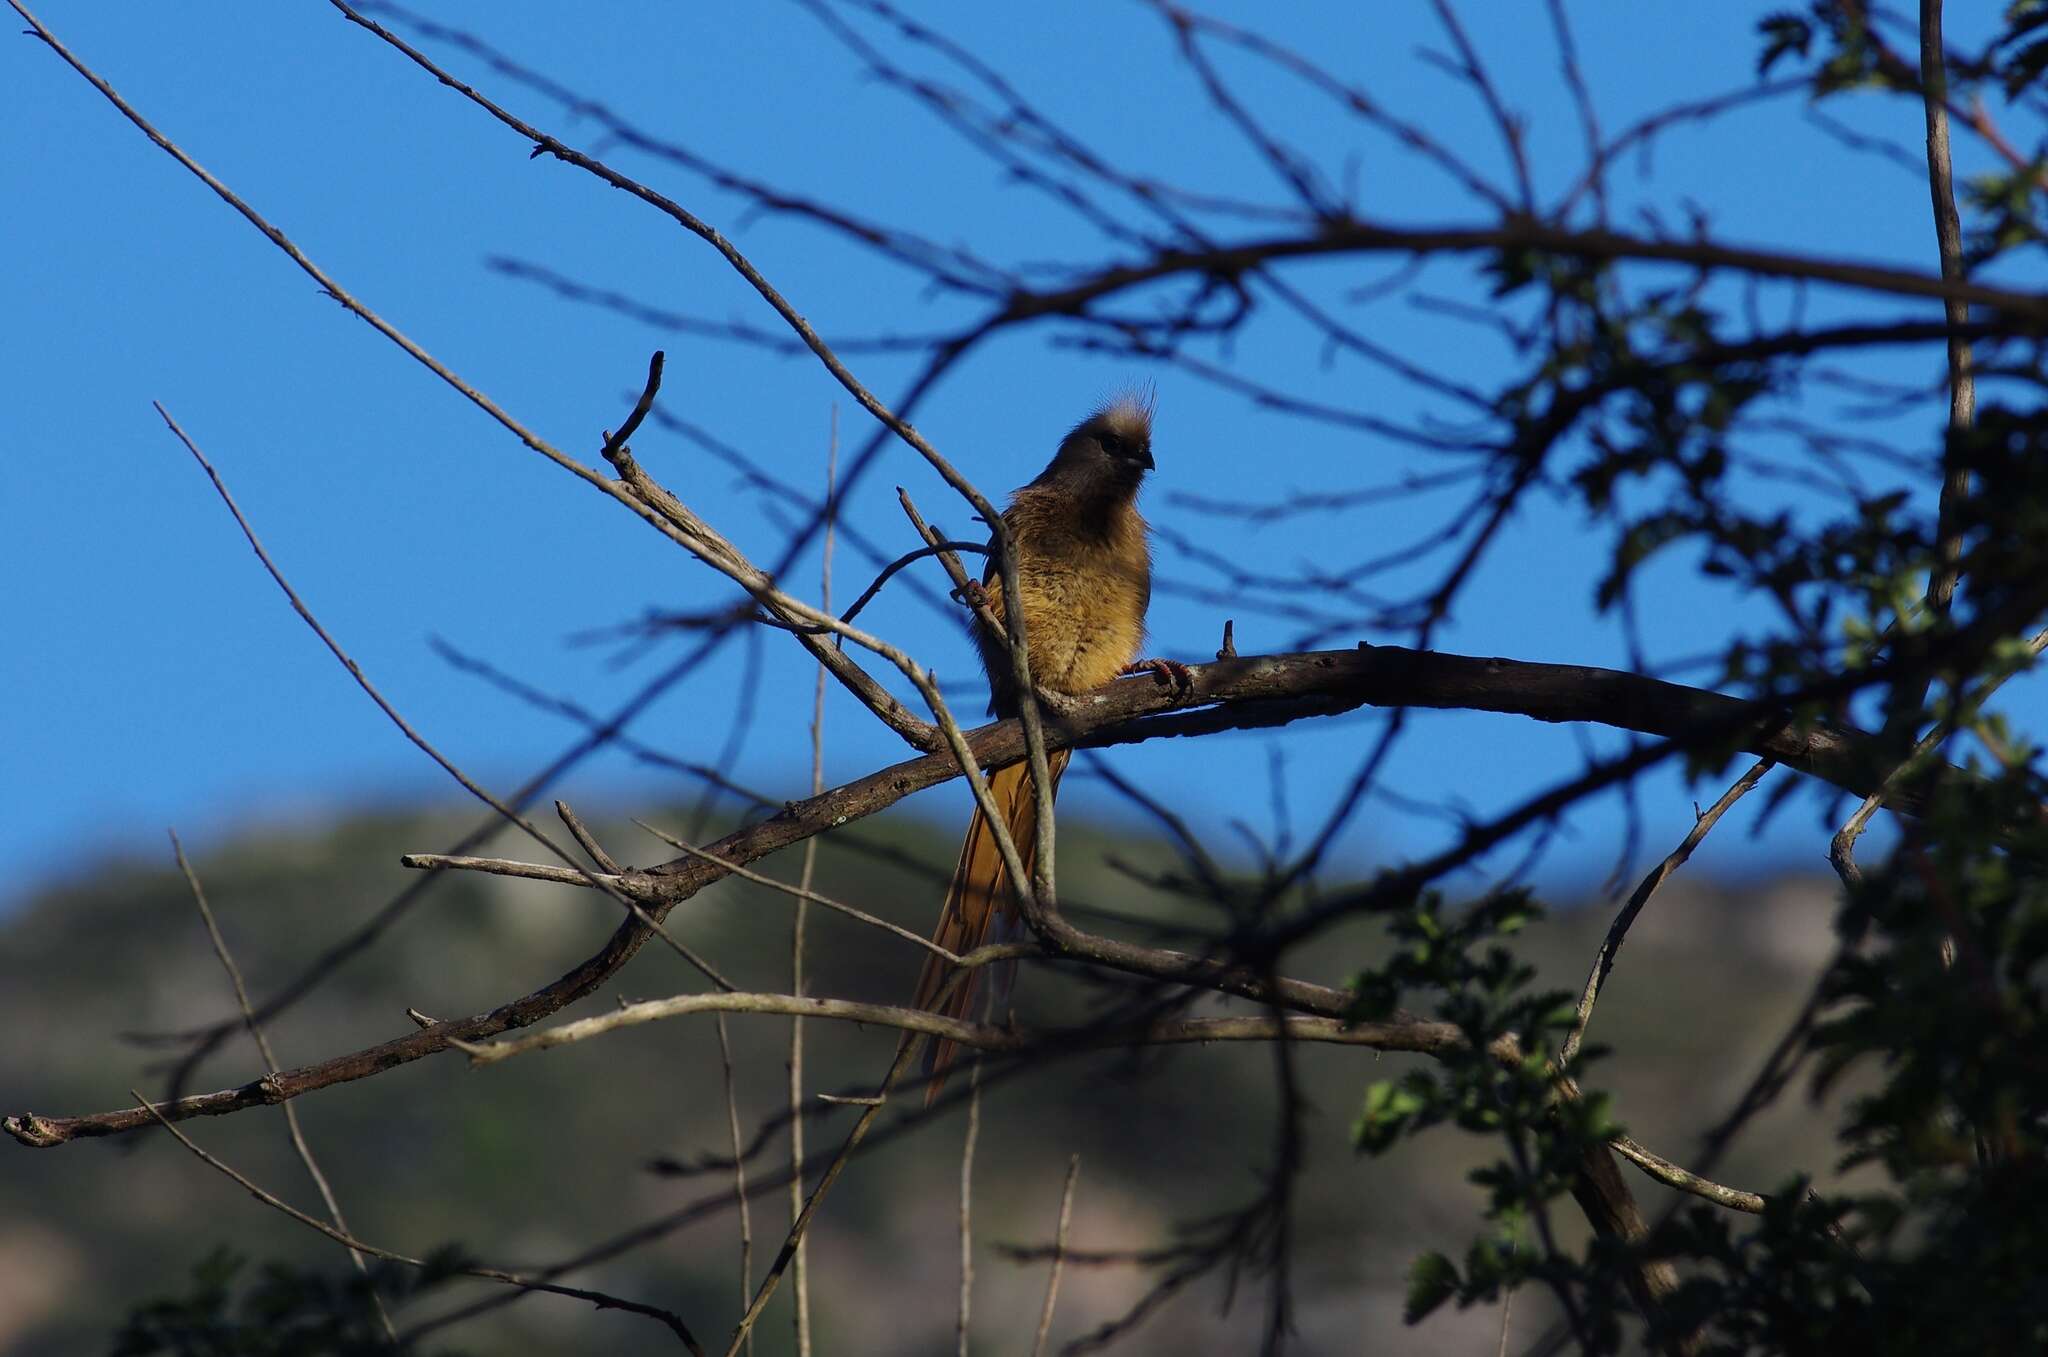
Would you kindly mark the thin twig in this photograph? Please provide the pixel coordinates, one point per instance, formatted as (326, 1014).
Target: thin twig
(800, 1277)
(1509, 125)
(802, 1224)
(889, 571)
(1059, 1257)
(406, 728)
(1603, 963)
(600, 1299)
(967, 1206)
(1411, 1034)
(1671, 1175)
(1035, 897)
(885, 707)
(868, 401)
(614, 441)
(956, 572)
(1842, 848)
(801, 894)
(585, 839)
(1589, 127)
(739, 1170)
(714, 550)
(271, 1067)
(598, 732)
(1948, 233)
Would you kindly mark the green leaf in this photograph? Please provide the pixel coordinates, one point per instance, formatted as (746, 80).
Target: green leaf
(1432, 1280)
(1389, 1107)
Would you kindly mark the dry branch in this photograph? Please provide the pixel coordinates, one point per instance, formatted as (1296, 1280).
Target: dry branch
(1402, 1034)
(1250, 692)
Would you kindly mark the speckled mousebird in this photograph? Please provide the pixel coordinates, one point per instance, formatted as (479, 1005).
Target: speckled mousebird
(1084, 578)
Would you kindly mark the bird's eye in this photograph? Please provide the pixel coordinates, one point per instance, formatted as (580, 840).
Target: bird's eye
(1111, 444)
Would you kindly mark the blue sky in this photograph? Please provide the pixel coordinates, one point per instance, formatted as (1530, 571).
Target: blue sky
(155, 676)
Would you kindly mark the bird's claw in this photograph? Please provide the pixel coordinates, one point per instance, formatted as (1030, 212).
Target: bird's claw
(1165, 672)
(973, 595)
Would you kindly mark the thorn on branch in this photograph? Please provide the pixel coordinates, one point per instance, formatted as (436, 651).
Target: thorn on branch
(1229, 650)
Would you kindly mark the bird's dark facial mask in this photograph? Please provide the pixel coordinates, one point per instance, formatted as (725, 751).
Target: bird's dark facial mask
(1132, 454)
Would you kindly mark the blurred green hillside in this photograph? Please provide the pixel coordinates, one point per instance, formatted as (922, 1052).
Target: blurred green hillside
(537, 1158)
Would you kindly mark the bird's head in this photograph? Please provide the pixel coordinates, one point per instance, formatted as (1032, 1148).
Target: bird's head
(1113, 446)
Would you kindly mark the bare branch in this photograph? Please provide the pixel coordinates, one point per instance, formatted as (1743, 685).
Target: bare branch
(1399, 1034)
(614, 441)
(1059, 1257)
(585, 839)
(1671, 1175)
(710, 546)
(1508, 124)
(1250, 693)
(1367, 237)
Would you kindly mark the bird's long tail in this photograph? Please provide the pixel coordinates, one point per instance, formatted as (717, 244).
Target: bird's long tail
(980, 900)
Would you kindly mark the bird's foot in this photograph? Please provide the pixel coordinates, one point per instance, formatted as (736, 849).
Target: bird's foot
(1165, 673)
(973, 595)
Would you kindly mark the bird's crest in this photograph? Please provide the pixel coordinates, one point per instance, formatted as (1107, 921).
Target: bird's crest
(1127, 413)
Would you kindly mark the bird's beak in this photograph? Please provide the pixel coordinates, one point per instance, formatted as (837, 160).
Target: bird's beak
(1145, 457)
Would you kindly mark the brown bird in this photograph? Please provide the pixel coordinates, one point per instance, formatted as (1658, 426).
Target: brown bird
(1084, 578)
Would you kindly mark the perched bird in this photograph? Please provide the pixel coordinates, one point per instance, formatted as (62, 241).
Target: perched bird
(1084, 578)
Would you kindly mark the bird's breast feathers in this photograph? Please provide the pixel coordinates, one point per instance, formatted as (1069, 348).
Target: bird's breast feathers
(1084, 601)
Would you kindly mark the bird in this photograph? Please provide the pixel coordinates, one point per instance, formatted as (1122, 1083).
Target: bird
(1084, 579)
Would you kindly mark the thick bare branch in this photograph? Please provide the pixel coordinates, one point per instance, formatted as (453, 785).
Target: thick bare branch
(1247, 693)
